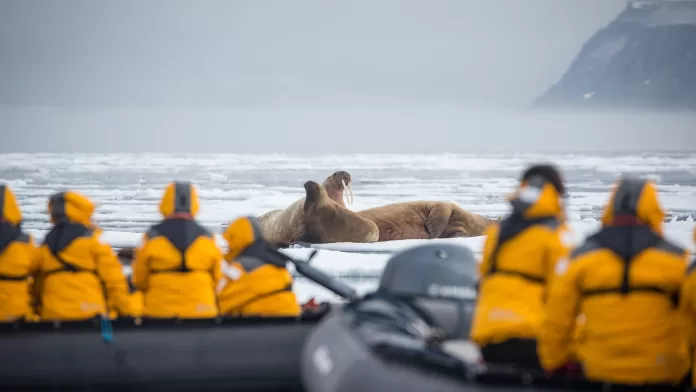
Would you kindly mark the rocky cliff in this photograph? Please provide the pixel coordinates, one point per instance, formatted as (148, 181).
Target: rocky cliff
(644, 59)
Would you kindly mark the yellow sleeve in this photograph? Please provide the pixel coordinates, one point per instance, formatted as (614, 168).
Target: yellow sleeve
(33, 273)
(687, 304)
(556, 338)
(558, 248)
(141, 272)
(110, 271)
(217, 263)
(37, 259)
(34, 257)
(37, 282)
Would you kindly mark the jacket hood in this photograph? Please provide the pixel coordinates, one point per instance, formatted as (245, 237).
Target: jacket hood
(179, 198)
(636, 199)
(71, 206)
(9, 208)
(536, 198)
(245, 242)
(240, 235)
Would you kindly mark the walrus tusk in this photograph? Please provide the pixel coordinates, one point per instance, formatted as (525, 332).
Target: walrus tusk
(350, 189)
(347, 192)
(344, 192)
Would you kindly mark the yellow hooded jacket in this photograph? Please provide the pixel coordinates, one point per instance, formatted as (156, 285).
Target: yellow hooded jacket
(688, 304)
(17, 261)
(178, 265)
(80, 276)
(519, 256)
(252, 287)
(625, 279)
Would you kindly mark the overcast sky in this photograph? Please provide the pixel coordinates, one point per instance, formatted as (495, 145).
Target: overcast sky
(285, 76)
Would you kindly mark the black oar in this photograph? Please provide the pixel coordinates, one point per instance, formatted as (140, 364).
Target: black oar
(317, 276)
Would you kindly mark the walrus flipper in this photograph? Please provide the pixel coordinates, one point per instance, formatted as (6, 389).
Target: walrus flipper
(437, 220)
(457, 233)
(314, 233)
(312, 236)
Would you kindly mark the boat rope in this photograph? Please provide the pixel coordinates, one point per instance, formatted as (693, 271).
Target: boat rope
(107, 332)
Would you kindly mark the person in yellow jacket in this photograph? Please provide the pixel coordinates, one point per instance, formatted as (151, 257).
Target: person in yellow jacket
(178, 265)
(519, 256)
(17, 261)
(79, 275)
(626, 280)
(252, 287)
(688, 304)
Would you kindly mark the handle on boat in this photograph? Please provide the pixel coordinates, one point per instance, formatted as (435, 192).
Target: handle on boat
(317, 276)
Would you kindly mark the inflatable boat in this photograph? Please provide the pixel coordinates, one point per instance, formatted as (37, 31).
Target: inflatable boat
(382, 343)
(231, 354)
(411, 334)
(259, 354)
(394, 339)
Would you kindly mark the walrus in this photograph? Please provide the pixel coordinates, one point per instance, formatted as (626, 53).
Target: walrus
(327, 221)
(284, 227)
(425, 220)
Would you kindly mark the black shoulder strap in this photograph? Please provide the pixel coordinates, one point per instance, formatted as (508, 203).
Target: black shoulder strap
(15, 236)
(13, 278)
(10, 233)
(509, 229)
(625, 287)
(59, 238)
(181, 234)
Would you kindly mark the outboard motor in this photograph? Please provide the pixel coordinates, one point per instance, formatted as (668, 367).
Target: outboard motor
(411, 334)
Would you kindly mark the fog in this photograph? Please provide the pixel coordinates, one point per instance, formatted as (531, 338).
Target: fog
(304, 76)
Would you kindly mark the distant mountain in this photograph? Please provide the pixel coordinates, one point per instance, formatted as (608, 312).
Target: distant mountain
(644, 59)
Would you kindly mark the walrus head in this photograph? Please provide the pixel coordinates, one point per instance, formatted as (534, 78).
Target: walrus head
(339, 184)
(313, 192)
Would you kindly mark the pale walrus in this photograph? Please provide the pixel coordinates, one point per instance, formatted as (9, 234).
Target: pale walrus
(284, 227)
(327, 222)
(425, 220)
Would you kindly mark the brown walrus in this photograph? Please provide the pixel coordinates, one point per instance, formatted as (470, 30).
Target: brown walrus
(425, 220)
(327, 221)
(284, 227)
